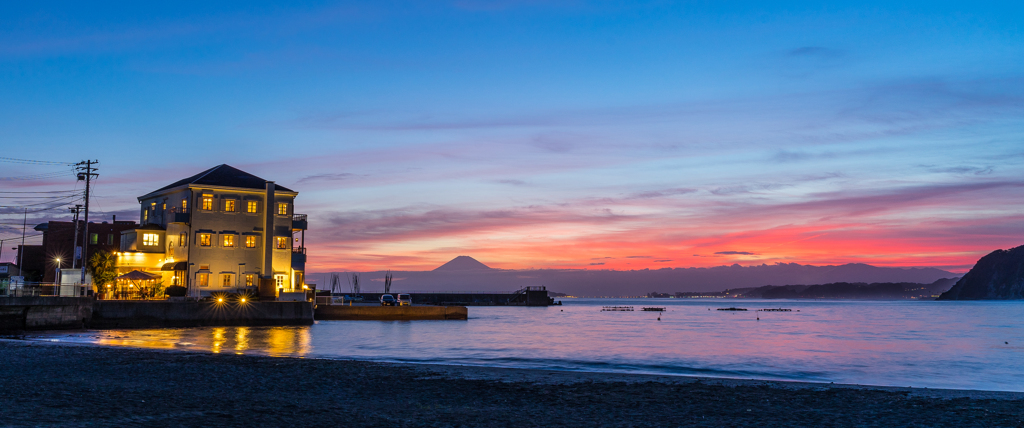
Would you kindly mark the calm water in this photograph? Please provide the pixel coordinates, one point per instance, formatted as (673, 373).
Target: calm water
(897, 343)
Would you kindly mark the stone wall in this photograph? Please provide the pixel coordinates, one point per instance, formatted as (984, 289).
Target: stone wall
(44, 313)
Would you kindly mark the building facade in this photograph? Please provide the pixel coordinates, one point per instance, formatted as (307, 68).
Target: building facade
(222, 230)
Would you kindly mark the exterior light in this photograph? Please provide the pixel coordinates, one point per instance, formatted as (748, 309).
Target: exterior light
(220, 299)
(243, 300)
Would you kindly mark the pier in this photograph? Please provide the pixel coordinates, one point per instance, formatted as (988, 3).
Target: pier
(526, 296)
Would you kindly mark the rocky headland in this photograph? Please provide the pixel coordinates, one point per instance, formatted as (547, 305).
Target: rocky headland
(997, 276)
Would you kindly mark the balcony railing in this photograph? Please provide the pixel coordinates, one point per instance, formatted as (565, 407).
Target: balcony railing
(299, 222)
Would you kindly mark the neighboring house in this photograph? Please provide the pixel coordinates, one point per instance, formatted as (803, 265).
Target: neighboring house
(58, 247)
(222, 230)
(8, 270)
(59, 243)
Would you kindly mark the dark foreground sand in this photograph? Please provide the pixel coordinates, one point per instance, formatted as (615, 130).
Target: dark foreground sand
(43, 384)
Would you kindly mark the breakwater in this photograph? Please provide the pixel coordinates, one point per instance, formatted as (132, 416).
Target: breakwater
(57, 313)
(390, 313)
(527, 296)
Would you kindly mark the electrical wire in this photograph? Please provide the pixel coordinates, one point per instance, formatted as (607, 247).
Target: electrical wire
(40, 176)
(46, 191)
(34, 162)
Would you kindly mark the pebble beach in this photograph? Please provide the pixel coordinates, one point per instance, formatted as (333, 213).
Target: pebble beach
(48, 384)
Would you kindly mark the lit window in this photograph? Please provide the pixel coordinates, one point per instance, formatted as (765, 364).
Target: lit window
(282, 208)
(145, 216)
(204, 239)
(184, 205)
(182, 239)
(282, 243)
(250, 242)
(250, 280)
(203, 279)
(150, 239)
(252, 206)
(207, 202)
(164, 206)
(280, 280)
(229, 205)
(110, 239)
(225, 280)
(229, 240)
(94, 238)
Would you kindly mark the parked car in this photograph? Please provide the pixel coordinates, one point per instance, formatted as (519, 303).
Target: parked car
(387, 300)
(404, 300)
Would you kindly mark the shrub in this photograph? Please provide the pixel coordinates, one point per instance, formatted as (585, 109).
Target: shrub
(175, 291)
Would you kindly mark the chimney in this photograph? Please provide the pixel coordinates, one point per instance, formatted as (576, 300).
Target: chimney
(268, 287)
(114, 220)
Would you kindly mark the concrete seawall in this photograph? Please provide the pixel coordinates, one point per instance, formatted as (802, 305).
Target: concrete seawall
(59, 313)
(390, 313)
(44, 313)
(143, 314)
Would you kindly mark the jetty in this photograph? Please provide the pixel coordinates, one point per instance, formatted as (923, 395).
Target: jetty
(526, 296)
(388, 313)
(775, 310)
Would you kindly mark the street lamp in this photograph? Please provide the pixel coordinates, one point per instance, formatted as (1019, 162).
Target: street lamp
(56, 277)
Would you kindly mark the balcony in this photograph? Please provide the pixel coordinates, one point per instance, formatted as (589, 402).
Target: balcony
(299, 258)
(299, 222)
(177, 216)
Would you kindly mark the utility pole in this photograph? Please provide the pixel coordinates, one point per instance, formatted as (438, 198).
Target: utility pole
(76, 251)
(85, 172)
(21, 249)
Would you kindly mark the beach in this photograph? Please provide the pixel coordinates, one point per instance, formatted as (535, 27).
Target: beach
(49, 384)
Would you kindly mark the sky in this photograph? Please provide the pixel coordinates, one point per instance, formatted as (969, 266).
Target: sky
(542, 134)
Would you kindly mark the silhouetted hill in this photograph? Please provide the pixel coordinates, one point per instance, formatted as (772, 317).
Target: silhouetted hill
(997, 276)
(846, 290)
(462, 264)
(469, 275)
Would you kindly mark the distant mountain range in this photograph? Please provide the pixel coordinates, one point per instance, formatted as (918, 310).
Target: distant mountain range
(465, 273)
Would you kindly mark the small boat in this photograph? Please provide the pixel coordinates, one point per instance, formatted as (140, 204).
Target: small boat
(731, 309)
(655, 309)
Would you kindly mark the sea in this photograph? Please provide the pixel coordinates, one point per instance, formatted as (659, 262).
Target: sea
(932, 344)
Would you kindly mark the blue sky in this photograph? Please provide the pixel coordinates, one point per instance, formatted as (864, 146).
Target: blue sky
(549, 134)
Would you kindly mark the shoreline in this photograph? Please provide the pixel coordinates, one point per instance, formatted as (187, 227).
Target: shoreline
(551, 377)
(56, 383)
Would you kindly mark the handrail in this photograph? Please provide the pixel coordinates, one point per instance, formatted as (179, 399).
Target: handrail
(299, 217)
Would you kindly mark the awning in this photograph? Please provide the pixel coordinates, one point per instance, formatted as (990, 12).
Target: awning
(137, 275)
(175, 266)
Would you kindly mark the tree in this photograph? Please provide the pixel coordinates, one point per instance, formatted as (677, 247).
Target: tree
(103, 268)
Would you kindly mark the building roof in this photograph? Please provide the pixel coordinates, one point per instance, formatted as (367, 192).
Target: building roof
(225, 175)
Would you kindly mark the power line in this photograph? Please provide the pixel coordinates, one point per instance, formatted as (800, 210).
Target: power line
(46, 191)
(34, 162)
(40, 176)
(41, 203)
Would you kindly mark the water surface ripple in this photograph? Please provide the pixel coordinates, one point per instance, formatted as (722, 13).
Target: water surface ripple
(961, 345)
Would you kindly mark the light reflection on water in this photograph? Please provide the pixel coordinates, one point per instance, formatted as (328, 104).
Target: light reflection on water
(898, 343)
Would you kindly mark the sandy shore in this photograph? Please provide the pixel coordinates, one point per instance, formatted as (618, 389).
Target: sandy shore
(65, 385)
